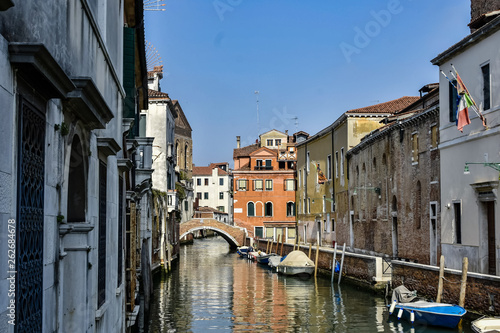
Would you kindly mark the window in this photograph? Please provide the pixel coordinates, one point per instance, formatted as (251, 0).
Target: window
(198, 195)
(205, 195)
(269, 142)
(289, 184)
(304, 206)
(268, 165)
(269, 184)
(434, 136)
(259, 232)
(329, 167)
(250, 209)
(486, 86)
(325, 225)
(221, 209)
(291, 232)
(458, 222)
(414, 147)
(221, 195)
(300, 177)
(277, 142)
(269, 209)
(258, 185)
(101, 245)
(309, 205)
(206, 181)
(290, 209)
(304, 178)
(324, 204)
(242, 185)
(221, 181)
(186, 207)
(336, 164)
(342, 162)
(453, 100)
(258, 165)
(333, 225)
(307, 162)
(269, 232)
(198, 181)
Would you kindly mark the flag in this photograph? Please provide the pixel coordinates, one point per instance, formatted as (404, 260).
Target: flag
(461, 88)
(463, 112)
(463, 91)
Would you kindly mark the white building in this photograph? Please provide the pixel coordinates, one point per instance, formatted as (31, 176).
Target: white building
(213, 188)
(470, 214)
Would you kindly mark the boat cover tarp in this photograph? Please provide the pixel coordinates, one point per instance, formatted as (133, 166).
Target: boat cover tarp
(401, 294)
(297, 258)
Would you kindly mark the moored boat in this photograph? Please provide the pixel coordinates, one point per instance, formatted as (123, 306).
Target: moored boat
(296, 263)
(405, 305)
(262, 258)
(486, 325)
(243, 250)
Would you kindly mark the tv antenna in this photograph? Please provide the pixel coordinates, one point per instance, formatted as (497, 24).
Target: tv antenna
(296, 123)
(153, 58)
(154, 5)
(257, 97)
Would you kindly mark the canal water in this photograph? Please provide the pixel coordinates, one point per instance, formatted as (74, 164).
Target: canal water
(212, 289)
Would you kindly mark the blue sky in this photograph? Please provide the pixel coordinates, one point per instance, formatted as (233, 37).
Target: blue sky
(312, 60)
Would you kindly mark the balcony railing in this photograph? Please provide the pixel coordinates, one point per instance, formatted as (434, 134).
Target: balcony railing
(172, 200)
(263, 167)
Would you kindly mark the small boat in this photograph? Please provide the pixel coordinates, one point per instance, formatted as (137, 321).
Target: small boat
(405, 304)
(296, 263)
(262, 258)
(243, 250)
(273, 260)
(252, 255)
(486, 325)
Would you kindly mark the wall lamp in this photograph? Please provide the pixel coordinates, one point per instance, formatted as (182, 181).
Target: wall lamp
(495, 166)
(374, 189)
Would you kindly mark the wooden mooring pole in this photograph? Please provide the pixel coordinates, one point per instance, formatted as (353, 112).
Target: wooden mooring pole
(440, 282)
(310, 247)
(278, 243)
(463, 284)
(317, 256)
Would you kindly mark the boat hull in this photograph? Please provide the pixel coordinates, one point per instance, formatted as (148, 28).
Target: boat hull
(435, 314)
(296, 270)
(486, 324)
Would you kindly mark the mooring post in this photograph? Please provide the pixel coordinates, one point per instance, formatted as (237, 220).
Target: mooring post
(463, 284)
(441, 277)
(278, 243)
(333, 261)
(341, 263)
(282, 242)
(317, 256)
(310, 247)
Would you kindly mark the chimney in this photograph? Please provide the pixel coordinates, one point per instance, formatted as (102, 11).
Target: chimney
(478, 8)
(238, 141)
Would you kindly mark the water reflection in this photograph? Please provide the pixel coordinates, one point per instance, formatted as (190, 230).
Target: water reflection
(211, 288)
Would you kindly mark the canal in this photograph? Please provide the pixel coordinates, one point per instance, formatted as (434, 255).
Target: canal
(211, 288)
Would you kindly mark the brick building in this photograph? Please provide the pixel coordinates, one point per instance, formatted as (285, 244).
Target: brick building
(394, 189)
(264, 186)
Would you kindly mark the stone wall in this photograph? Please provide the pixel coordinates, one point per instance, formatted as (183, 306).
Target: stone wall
(479, 7)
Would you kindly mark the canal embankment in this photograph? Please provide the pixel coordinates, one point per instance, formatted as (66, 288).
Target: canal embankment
(380, 274)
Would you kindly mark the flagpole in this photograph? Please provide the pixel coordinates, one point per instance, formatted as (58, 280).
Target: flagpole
(478, 112)
(475, 108)
(447, 78)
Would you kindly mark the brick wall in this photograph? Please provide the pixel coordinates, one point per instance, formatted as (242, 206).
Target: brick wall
(482, 295)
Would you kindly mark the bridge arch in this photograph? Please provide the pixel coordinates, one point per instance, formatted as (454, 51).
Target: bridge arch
(233, 235)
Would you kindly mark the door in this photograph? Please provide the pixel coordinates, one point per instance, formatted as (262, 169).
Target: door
(30, 216)
(492, 260)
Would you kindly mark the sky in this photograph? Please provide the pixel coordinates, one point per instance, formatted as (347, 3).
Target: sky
(309, 61)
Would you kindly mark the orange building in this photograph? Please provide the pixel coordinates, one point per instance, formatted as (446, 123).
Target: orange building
(264, 185)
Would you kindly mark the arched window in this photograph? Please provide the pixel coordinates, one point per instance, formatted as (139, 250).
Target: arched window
(290, 209)
(76, 183)
(250, 209)
(269, 209)
(177, 152)
(185, 156)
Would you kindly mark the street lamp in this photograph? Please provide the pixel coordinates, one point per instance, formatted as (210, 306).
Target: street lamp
(495, 166)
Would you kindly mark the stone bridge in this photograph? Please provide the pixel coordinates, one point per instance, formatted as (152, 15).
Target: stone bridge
(233, 235)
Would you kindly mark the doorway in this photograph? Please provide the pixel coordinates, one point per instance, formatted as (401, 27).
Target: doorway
(490, 216)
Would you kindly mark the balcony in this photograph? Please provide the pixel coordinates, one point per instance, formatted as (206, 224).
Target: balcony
(287, 156)
(263, 167)
(172, 201)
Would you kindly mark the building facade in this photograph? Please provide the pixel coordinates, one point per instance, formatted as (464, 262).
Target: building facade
(322, 192)
(264, 186)
(470, 217)
(394, 188)
(213, 189)
(66, 166)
